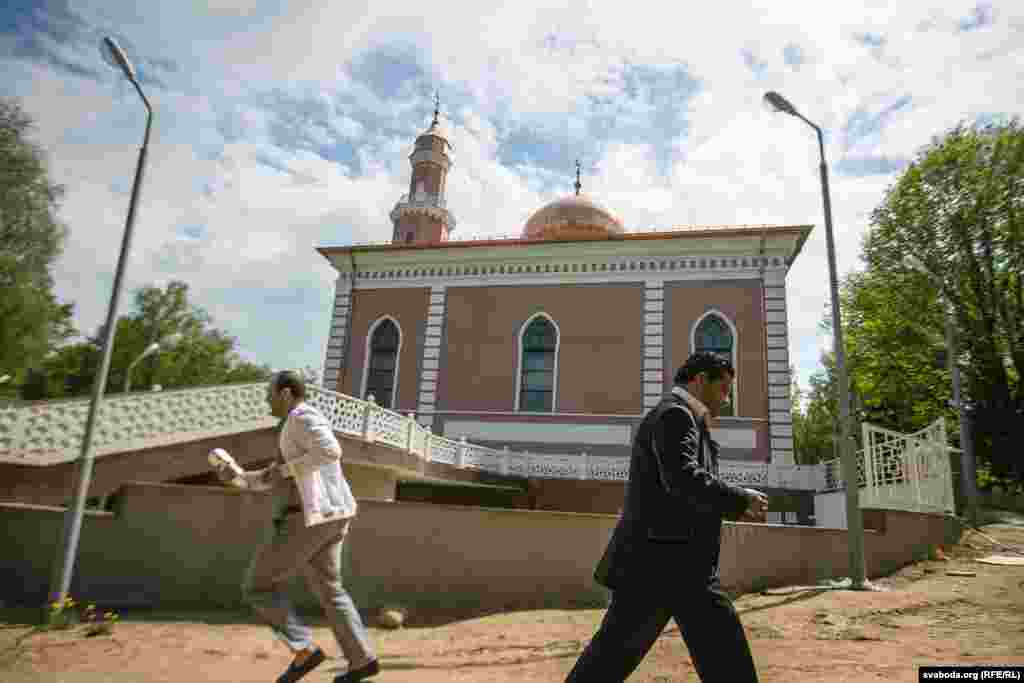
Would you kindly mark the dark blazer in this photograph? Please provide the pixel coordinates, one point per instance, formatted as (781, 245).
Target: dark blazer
(669, 533)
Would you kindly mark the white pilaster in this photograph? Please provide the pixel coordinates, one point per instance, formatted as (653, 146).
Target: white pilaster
(336, 351)
(652, 371)
(780, 419)
(431, 352)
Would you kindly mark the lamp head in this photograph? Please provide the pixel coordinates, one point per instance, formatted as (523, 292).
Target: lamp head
(777, 103)
(115, 57)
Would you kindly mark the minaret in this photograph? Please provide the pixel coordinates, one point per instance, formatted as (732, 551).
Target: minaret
(422, 215)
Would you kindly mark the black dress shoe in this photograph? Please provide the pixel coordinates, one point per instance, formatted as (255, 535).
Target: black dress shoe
(355, 675)
(294, 673)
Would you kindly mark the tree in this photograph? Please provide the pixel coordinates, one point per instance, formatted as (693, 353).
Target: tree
(201, 355)
(959, 208)
(32, 322)
(814, 420)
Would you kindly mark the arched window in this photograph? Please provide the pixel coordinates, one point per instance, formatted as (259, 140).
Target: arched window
(380, 374)
(538, 365)
(714, 333)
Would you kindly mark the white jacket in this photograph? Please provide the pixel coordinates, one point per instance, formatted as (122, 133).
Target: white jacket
(312, 455)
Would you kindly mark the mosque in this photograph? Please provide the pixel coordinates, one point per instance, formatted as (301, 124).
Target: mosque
(558, 341)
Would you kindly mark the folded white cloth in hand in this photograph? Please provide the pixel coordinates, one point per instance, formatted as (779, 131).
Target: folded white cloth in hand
(220, 459)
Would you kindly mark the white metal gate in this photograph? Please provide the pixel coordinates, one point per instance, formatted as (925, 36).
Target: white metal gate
(901, 471)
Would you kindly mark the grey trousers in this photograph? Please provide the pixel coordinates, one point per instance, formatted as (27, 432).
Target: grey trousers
(315, 552)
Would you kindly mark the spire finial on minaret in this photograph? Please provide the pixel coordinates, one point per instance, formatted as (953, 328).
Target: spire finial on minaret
(578, 185)
(437, 106)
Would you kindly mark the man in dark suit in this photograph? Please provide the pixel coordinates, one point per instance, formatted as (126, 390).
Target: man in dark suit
(662, 560)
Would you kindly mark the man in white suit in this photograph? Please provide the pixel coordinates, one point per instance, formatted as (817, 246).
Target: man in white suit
(308, 535)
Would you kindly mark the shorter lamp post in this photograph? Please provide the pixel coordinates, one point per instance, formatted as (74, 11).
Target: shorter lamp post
(150, 350)
(968, 473)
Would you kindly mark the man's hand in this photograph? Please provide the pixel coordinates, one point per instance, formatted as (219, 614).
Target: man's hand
(757, 506)
(274, 474)
(224, 474)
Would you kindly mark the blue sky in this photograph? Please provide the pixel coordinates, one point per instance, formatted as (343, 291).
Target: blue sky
(281, 126)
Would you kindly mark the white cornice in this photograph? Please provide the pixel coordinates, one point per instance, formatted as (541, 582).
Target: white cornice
(604, 251)
(393, 280)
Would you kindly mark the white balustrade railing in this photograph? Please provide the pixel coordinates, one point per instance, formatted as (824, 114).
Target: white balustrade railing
(50, 432)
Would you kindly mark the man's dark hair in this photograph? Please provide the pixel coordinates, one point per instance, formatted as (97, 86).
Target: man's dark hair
(289, 379)
(712, 364)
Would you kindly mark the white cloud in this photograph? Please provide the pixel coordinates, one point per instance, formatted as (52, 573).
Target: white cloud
(501, 67)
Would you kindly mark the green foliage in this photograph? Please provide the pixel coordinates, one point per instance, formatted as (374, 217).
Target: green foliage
(32, 322)
(192, 353)
(814, 420)
(959, 209)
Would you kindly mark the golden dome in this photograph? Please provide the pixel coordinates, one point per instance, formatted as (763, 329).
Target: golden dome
(572, 217)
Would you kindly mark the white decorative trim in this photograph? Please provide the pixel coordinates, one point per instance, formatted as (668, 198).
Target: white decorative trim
(540, 432)
(778, 429)
(779, 404)
(434, 330)
(654, 364)
(778, 354)
(334, 356)
(366, 358)
(782, 444)
(378, 280)
(654, 340)
(656, 306)
(519, 359)
(653, 387)
(654, 351)
(777, 330)
(776, 316)
(650, 376)
(654, 318)
(774, 342)
(774, 304)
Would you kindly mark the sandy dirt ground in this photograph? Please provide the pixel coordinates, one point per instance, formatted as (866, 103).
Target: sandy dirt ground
(925, 614)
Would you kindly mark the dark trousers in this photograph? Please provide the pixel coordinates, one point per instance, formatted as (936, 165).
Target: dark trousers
(707, 621)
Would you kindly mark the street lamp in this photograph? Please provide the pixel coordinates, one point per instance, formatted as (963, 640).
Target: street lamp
(150, 350)
(968, 474)
(64, 567)
(848, 459)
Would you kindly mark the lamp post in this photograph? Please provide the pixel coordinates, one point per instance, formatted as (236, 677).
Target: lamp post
(64, 567)
(150, 350)
(848, 458)
(968, 473)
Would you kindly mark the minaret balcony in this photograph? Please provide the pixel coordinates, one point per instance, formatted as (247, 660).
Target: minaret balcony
(422, 199)
(424, 203)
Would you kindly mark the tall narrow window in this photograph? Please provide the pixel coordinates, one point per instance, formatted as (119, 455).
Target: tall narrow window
(537, 366)
(381, 372)
(715, 335)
